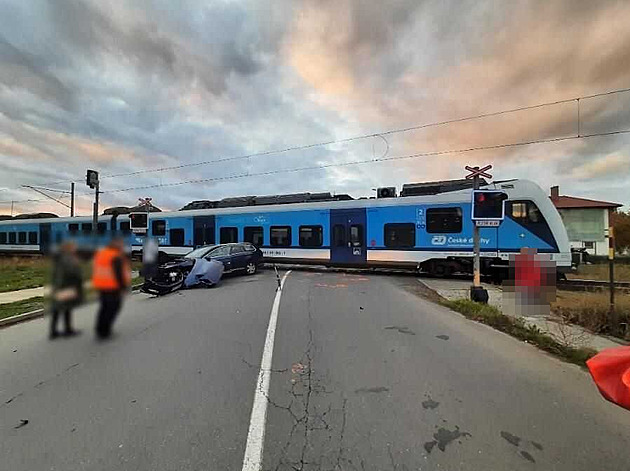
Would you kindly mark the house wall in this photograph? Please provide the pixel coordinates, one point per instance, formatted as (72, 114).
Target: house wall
(586, 226)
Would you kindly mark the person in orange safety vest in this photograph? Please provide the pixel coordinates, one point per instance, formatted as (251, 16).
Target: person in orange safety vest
(111, 277)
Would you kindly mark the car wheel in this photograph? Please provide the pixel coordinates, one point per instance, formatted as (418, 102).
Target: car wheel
(251, 268)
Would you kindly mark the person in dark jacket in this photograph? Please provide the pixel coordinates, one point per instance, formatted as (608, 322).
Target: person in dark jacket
(67, 288)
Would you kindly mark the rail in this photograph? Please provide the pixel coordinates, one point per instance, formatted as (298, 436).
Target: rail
(591, 285)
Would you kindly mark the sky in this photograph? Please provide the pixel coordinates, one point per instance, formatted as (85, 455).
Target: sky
(127, 87)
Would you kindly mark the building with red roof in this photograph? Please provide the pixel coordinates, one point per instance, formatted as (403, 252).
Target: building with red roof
(586, 220)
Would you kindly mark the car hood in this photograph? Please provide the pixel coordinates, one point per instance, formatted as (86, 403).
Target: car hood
(178, 263)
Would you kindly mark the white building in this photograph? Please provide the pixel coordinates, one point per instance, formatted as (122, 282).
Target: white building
(586, 221)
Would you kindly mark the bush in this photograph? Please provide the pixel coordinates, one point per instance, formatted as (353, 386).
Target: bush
(591, 310)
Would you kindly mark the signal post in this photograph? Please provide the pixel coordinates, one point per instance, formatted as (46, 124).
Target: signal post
(487, 210)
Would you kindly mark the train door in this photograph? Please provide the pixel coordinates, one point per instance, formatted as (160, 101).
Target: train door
(44, 237)
(203, 230)
(347, 236)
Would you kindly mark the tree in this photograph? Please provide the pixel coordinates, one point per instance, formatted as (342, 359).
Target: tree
(620, 222)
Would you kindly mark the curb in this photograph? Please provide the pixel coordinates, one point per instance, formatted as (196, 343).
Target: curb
(21, 317)
(27, 316)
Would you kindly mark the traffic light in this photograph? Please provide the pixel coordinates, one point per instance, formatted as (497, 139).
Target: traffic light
(488, 205)
(91, 178)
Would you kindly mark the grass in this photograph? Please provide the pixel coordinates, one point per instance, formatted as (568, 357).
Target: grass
(31, 272)
(21, 307)
(515, 327)
(600, 272)
(23, 272)
(591, 310)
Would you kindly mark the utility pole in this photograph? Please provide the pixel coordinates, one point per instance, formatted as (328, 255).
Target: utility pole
(72, 199)
(11, 208)
(611, 281)
(91, 179)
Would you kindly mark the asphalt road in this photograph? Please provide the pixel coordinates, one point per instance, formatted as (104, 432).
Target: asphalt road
(366, 375)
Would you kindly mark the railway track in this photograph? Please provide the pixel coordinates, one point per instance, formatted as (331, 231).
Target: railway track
(592, 285)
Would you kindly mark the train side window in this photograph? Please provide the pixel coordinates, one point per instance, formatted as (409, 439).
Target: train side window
(254, 235)
(356, 235)
(228, 235)
(177, 237)
(86, 227)
(339, 235)
(21, 237)
(3, 237)
(158, 227)
(280, 236)
(400, 235)
(11, 237)
(444, 220)
(58, 237)
(101, 227)
(73, 228)
(311, 236)
(125, 227)
(32, 238)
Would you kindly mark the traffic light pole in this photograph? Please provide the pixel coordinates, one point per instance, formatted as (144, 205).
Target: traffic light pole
(72, 199)
(95, 213)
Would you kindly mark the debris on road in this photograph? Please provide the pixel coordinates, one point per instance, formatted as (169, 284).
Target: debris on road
(22, 423)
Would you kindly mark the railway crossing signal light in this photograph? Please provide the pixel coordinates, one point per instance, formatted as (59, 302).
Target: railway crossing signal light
(139, 222)
(488, 205)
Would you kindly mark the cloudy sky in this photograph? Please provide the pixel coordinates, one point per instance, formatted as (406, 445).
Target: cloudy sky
(126, 86)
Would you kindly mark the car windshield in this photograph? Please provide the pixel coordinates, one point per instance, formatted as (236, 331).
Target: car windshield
(199, 252)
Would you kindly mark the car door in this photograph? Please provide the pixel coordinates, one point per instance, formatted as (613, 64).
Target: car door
(222, 254)
(239, 257)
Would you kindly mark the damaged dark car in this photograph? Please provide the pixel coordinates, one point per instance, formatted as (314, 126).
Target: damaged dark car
(204, 266)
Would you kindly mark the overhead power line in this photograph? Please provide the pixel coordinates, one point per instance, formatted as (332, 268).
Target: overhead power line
(373, 160)
(354, 162)
(353, 138)
(368, 136)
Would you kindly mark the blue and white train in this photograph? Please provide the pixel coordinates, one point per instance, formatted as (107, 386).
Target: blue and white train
(428, 232)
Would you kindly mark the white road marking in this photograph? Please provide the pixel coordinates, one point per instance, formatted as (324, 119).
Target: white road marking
(257, 422)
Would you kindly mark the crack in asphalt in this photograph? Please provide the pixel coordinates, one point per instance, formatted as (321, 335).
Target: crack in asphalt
(39, 384)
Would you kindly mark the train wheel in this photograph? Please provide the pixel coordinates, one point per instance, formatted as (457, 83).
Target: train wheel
(442, 269)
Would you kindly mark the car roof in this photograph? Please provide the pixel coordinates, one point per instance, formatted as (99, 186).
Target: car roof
(229, 244)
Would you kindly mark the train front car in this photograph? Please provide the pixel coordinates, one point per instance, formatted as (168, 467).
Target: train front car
(531, 220)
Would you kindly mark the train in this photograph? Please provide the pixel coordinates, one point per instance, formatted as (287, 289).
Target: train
(427, 227)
